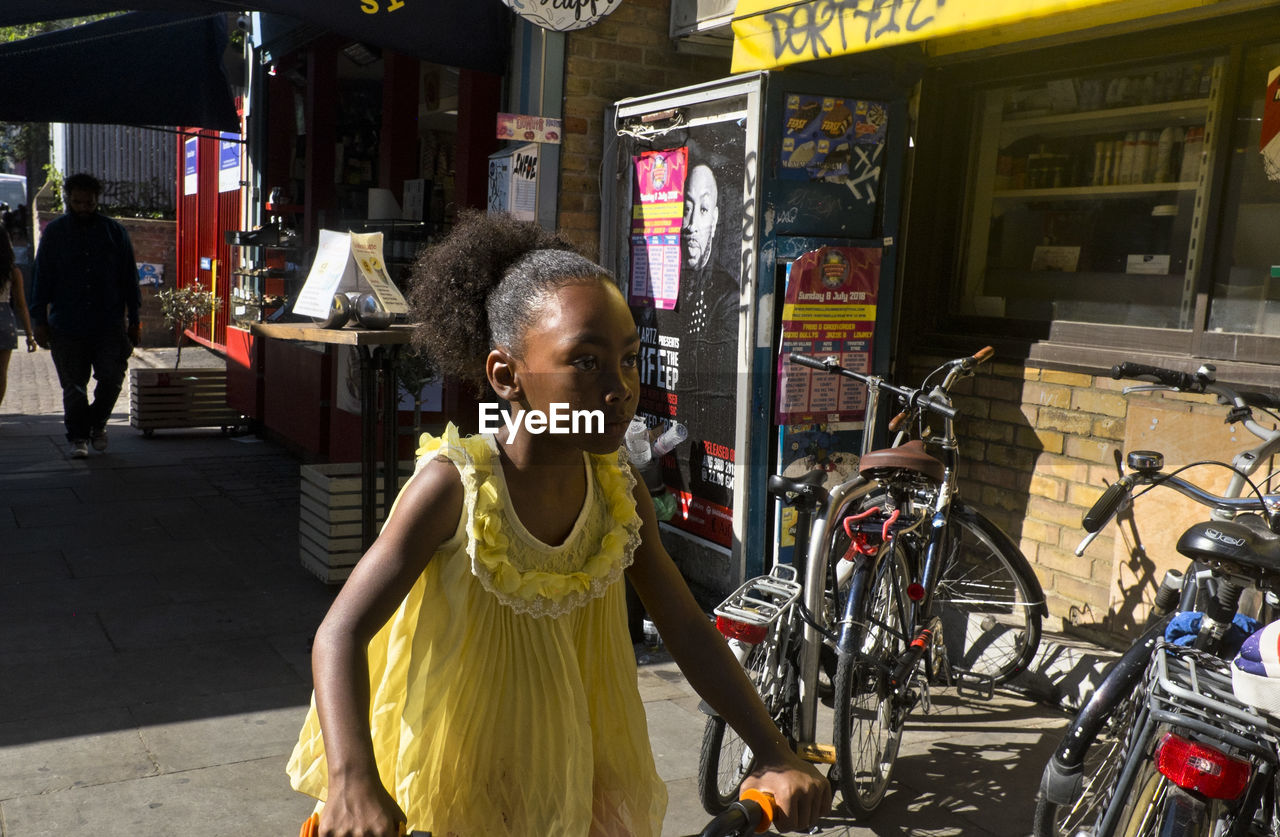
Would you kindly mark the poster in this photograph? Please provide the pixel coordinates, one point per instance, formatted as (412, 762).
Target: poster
(1270, 138)
(516, 126)
(190, 173)
(822, 136)
(348, 262)
(229, 148)
(689, 359)
(829, 310)
(657, 215)
(524, 183)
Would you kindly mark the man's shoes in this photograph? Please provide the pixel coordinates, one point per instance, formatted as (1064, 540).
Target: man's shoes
(80, 449)
(98, 438)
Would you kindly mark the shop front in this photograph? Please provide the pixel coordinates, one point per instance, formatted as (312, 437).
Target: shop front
(1092, 182)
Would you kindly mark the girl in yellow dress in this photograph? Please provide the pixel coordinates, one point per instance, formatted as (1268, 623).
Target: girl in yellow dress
(475, 676)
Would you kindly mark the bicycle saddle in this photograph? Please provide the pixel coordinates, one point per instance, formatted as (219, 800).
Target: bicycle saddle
(909, 457)
(808, 491)
(1245, 544)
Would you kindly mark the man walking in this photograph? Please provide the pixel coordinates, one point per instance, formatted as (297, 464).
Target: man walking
(86, 282)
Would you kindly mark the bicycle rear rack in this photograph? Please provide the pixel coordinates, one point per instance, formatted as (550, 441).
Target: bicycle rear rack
(761, 600)
(1192, 690)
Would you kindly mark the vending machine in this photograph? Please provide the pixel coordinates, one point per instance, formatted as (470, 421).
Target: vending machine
(744, 218)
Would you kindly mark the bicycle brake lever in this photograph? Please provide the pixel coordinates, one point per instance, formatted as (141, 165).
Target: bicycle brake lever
(1084, 544)
(1149, 388)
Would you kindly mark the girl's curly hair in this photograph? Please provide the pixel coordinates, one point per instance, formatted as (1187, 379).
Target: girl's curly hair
(483, 285)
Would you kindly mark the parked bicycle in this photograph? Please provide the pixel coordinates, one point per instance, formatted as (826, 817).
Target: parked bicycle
(896, 583)
(1151, 750)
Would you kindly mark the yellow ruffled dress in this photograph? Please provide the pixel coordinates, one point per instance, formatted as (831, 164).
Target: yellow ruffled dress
(503, 690)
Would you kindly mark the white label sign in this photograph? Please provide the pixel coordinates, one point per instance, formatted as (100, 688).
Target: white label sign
(348, 262)
(562, 15)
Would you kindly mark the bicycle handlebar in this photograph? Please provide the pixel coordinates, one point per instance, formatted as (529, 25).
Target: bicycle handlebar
(913, 397)
(1104, 508)
(1202, 380)
(752, 812)
(1167, 377)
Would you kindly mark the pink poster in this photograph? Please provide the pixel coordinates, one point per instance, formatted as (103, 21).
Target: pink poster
(829, 311)
(657, 213)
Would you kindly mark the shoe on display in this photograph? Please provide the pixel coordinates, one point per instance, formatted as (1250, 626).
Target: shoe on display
(79, 449)
(99, 439)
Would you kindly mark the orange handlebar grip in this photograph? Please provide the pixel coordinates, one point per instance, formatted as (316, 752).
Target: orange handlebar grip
(899, 420)
(984, 354)
(765, 800)
(310, 827)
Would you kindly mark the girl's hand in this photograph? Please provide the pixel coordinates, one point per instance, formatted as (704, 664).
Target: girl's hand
(802, 794)
(362, 810)
(31, 343)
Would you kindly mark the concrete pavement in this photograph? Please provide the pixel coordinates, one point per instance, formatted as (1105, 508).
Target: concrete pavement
(154, 630)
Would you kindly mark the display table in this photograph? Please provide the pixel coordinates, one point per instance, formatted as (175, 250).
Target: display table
(378, 349)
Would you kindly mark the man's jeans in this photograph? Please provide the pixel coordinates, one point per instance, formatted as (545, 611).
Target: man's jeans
(105, 354)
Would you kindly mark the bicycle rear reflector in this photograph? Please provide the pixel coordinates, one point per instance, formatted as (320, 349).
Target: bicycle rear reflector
(1202, 769)
(742, 631)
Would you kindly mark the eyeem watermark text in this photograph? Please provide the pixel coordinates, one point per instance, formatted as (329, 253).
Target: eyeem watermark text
(560, 419)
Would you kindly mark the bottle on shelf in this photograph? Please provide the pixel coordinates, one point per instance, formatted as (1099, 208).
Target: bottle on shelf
(1192, 150)
(1128, 152)
(1164, 154)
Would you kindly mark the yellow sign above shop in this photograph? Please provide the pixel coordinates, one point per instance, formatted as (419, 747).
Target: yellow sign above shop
(775, 33)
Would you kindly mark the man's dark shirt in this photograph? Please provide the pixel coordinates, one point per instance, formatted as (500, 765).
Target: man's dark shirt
(85, 276)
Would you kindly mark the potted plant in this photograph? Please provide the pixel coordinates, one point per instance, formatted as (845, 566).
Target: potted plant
(192, 398)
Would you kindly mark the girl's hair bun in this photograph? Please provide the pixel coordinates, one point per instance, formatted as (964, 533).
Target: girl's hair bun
(452, 295)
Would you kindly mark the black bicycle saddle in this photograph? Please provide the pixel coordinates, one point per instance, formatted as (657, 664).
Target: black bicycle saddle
(1245, 544)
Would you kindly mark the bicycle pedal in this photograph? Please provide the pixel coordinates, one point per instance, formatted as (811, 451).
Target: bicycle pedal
(970, 684)
(817, 753)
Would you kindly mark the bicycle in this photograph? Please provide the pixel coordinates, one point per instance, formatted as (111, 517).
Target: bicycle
(1107, 772)
(917, 569)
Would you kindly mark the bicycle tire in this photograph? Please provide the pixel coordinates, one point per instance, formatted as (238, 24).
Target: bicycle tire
(988, 599)
(1100, 769)
(725, 760)
(868, 722)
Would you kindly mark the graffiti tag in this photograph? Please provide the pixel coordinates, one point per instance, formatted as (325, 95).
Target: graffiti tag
(826, 27)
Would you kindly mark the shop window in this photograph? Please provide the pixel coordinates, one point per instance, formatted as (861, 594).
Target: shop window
(1085, 197)
(1246, 286)
(1132, 197)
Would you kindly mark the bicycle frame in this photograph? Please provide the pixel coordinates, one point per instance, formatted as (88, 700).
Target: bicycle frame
(821, 533)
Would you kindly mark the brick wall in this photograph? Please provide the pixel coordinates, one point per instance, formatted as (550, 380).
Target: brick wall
(156, 242)
(628, 53)
(1038, 448)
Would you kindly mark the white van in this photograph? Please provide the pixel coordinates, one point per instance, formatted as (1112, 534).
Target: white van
(13, 190)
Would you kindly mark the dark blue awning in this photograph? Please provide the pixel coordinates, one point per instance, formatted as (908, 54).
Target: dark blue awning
(473, 34)
(143, 68)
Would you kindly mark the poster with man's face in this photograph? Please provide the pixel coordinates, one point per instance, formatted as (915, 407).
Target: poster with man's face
(689, 350)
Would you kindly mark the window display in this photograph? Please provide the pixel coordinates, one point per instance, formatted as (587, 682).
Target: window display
(1085, 196)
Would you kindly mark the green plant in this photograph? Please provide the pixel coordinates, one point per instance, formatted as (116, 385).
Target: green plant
(181, 308)
(53, 178)
(414, 372)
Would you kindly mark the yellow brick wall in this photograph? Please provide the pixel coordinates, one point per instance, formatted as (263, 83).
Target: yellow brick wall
(1038, 448)
(628, 53)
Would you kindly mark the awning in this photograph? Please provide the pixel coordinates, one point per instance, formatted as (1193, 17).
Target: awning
(775, 33)
(144, 68)
(473, 34)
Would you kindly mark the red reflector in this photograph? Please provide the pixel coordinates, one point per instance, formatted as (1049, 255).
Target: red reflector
(915, 592)
(1202, 769)
(733, 629)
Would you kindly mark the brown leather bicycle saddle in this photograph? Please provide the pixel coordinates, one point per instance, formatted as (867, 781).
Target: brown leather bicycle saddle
(910, 457)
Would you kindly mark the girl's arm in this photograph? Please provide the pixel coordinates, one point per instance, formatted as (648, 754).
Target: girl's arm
(426, 515)
(19, 295)
(802, 793)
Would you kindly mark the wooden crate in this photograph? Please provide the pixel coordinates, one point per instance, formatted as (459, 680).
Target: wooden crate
(169, 398)
(329, 517)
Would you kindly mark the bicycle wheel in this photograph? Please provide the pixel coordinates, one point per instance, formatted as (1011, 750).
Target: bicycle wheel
(1100, 770)
(988, 599)
(868, 721)
(725, 759)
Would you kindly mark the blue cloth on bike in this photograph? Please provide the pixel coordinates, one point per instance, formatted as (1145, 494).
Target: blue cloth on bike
(1184, 627)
